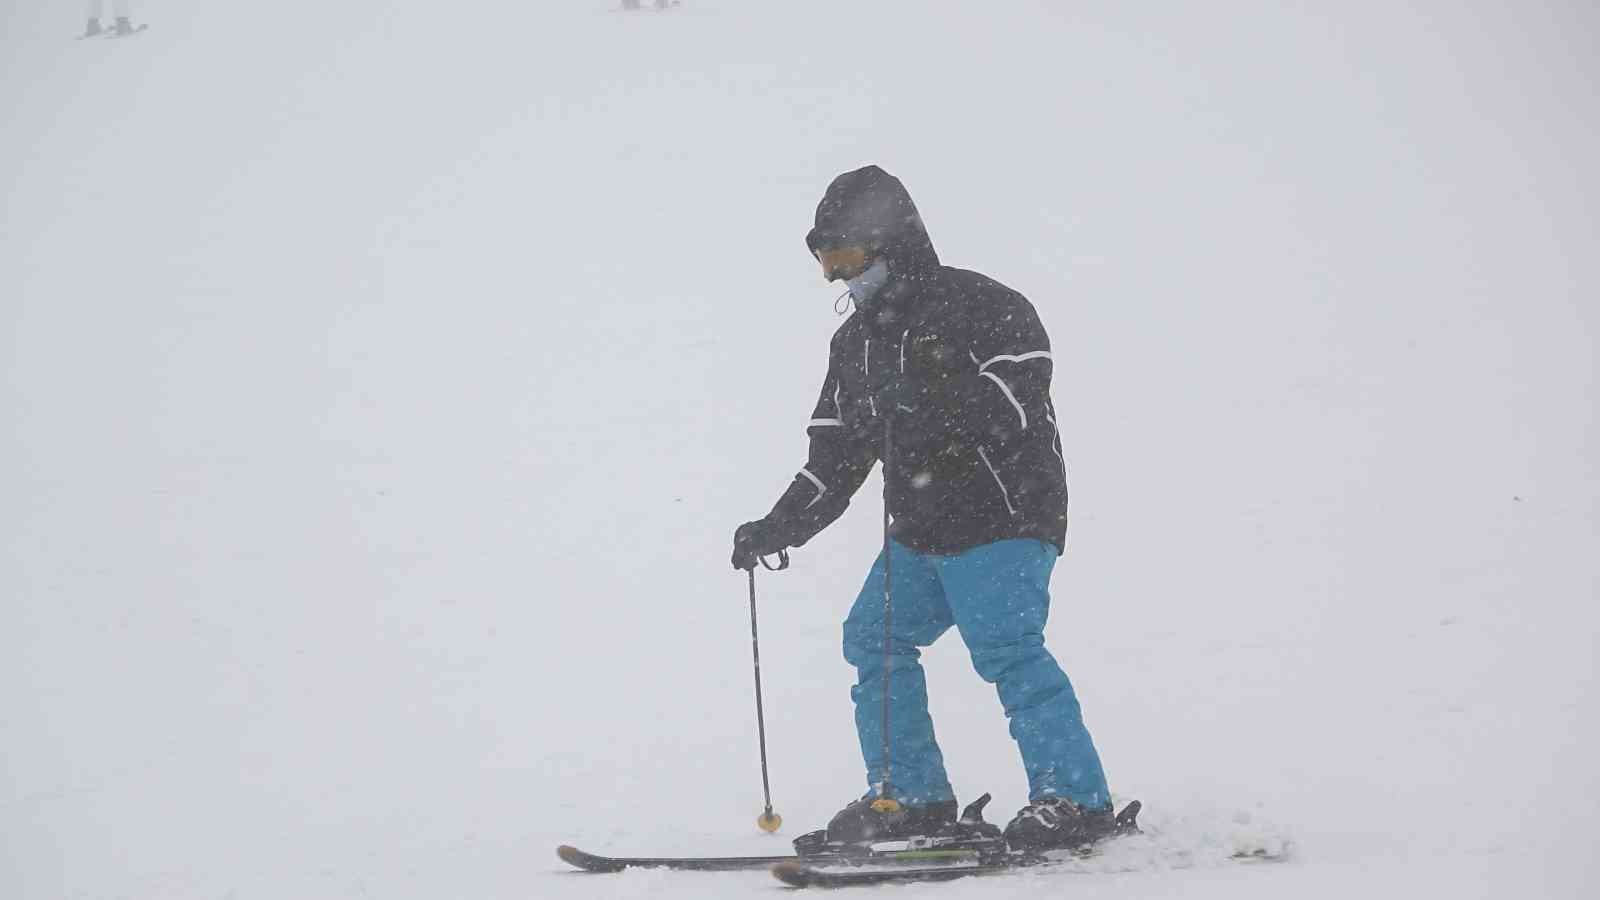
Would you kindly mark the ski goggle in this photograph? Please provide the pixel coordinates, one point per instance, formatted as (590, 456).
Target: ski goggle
(842, 263)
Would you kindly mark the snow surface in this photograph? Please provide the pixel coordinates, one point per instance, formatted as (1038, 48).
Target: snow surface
(382, 384)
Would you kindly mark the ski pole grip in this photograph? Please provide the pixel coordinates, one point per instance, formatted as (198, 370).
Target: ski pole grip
(783, 562)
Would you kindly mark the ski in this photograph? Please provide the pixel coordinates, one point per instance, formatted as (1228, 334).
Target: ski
(918, 858)
(820, 864)
(804, 874)
(112, 33)
(807, 873)
(590, 862)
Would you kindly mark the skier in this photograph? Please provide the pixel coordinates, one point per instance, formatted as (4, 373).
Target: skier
(957, 367)
(123, 25)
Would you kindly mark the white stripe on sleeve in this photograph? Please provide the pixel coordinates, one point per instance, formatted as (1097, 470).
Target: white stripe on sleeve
(821, 488)
(1020, 357)
(1004, 389)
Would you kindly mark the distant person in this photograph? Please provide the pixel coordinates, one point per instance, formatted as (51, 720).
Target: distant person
(977, 490)
(660, 4)
(97, 9)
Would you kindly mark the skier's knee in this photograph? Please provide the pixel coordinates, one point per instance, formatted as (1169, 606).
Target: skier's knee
(861, 647)
(992, 666)
(995, 663)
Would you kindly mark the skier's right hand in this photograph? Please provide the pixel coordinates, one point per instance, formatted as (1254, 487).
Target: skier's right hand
(753, 540)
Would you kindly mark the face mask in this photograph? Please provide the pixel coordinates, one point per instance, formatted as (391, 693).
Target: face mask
(863, 286)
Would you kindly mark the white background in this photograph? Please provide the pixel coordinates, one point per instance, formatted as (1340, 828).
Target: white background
(382, 384)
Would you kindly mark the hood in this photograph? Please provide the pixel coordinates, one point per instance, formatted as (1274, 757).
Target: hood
(871, 207)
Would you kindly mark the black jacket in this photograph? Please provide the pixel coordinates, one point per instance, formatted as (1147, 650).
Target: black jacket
(966, 365)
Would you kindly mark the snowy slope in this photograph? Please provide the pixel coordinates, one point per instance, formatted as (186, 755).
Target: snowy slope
(381, 386)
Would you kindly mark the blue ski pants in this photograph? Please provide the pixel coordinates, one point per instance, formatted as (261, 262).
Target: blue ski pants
(998, 598)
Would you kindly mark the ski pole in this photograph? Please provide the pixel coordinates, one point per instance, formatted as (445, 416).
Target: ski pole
(886, 802)
(768, 821)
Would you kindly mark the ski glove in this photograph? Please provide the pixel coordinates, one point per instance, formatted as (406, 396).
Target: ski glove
(753, 540)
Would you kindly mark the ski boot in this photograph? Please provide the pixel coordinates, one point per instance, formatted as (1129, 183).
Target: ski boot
(859, 825)
(92, 29)
(1056, 823)
(860, 831)
(123, 26)
(867, 821)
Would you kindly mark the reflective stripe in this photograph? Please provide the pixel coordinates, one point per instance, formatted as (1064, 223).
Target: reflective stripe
(821, 488)
(1055, 445)
(824, 423)
(1004, 494)
(866, 358)
(1020, 357)
(1009, 396)
(903, 350)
